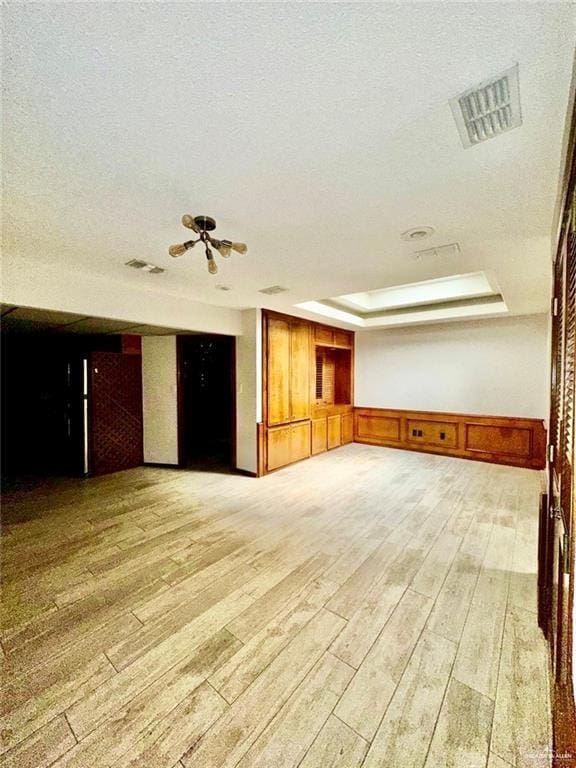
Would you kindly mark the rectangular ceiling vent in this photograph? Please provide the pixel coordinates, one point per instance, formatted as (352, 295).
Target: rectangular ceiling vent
(145, 266)
(452, 249)
(488, 109)
(272, 290)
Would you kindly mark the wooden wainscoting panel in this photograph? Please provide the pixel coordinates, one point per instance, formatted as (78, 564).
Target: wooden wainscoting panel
(347, 428)
(319, 436)
(509, 440)
(370, 425)
(498, 439)
(428, 432)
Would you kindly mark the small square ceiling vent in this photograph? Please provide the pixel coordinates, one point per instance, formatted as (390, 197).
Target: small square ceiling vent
(145, 266)
(488, 109)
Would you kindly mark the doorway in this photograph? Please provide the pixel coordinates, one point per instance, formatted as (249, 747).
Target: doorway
(207, 402)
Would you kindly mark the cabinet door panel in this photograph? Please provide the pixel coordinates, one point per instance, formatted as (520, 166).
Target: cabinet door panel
(300, 441)
(334, 431)
(342, 339)
(278, 370)
(278, 445)
(347, 428)
(323, 335)
(299, 370)
(319, 435)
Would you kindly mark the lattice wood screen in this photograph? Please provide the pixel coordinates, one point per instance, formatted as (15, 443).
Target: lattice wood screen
(115, 406)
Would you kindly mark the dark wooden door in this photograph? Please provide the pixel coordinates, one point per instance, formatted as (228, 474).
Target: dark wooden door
(115, 412)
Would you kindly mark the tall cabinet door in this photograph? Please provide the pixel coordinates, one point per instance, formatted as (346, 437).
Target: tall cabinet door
(300, 370)
(278, 370)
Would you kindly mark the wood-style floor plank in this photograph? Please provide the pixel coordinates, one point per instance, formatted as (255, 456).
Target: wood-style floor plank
(369, 607)
(336, 746)
(522, 724)
(404, 735)
(462, 736)
(366, 698)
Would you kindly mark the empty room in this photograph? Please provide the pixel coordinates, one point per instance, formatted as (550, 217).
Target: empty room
(288, 360)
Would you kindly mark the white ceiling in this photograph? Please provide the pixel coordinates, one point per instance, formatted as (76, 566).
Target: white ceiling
(315, 132)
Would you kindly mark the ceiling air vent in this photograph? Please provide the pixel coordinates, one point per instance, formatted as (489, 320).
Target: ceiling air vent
(452, 249)
(145, 266)
(272, 290)
(488, 109)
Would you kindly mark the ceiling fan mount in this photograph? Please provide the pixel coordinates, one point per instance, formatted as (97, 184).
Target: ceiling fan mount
(203, 225)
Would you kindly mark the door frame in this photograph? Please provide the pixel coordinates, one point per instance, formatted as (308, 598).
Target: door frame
(180, 406)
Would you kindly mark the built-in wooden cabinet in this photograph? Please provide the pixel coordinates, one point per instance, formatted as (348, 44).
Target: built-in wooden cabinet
(278, 370)
(319, 435)
(285, 445)
(333, 337)
(299, 370)
(334, 431)
(307, 389)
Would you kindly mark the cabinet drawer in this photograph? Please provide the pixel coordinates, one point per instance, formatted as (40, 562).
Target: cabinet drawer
(323, 335)
(433, 432)
(342, 339)
(334, 431)
(347, 428)
(319, 436)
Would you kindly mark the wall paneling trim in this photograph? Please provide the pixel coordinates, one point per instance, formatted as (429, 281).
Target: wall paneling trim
(497, 439)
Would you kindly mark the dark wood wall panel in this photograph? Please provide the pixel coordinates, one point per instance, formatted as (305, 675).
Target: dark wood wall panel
(497, 439)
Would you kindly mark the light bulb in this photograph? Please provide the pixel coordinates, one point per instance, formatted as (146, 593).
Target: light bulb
(239, 247)
(225, 248)
(189, 222)
(212, 266)
(177, 250)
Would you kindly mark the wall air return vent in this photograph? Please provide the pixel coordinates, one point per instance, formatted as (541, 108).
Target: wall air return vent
(272, 290)
(488, 109)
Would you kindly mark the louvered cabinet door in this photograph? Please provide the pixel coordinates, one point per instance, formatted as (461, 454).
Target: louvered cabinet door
(278, 370)
(299, 370)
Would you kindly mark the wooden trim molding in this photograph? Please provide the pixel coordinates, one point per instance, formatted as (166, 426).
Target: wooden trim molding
(261, 447)
(496, 439)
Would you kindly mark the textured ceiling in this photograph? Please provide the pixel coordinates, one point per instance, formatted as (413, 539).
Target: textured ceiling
(315, 132)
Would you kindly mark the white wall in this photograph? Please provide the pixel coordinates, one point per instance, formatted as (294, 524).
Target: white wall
(160, 402)
(248, 389)
(497, 367)
(46, 287)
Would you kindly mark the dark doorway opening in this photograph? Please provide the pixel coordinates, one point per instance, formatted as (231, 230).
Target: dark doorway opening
(207, 402)
(42, 409)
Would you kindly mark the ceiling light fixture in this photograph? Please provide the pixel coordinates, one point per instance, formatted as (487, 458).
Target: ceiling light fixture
(417, 233)
(203, 225)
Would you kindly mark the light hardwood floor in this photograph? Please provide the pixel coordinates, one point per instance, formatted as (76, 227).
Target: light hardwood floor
(369, 607)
